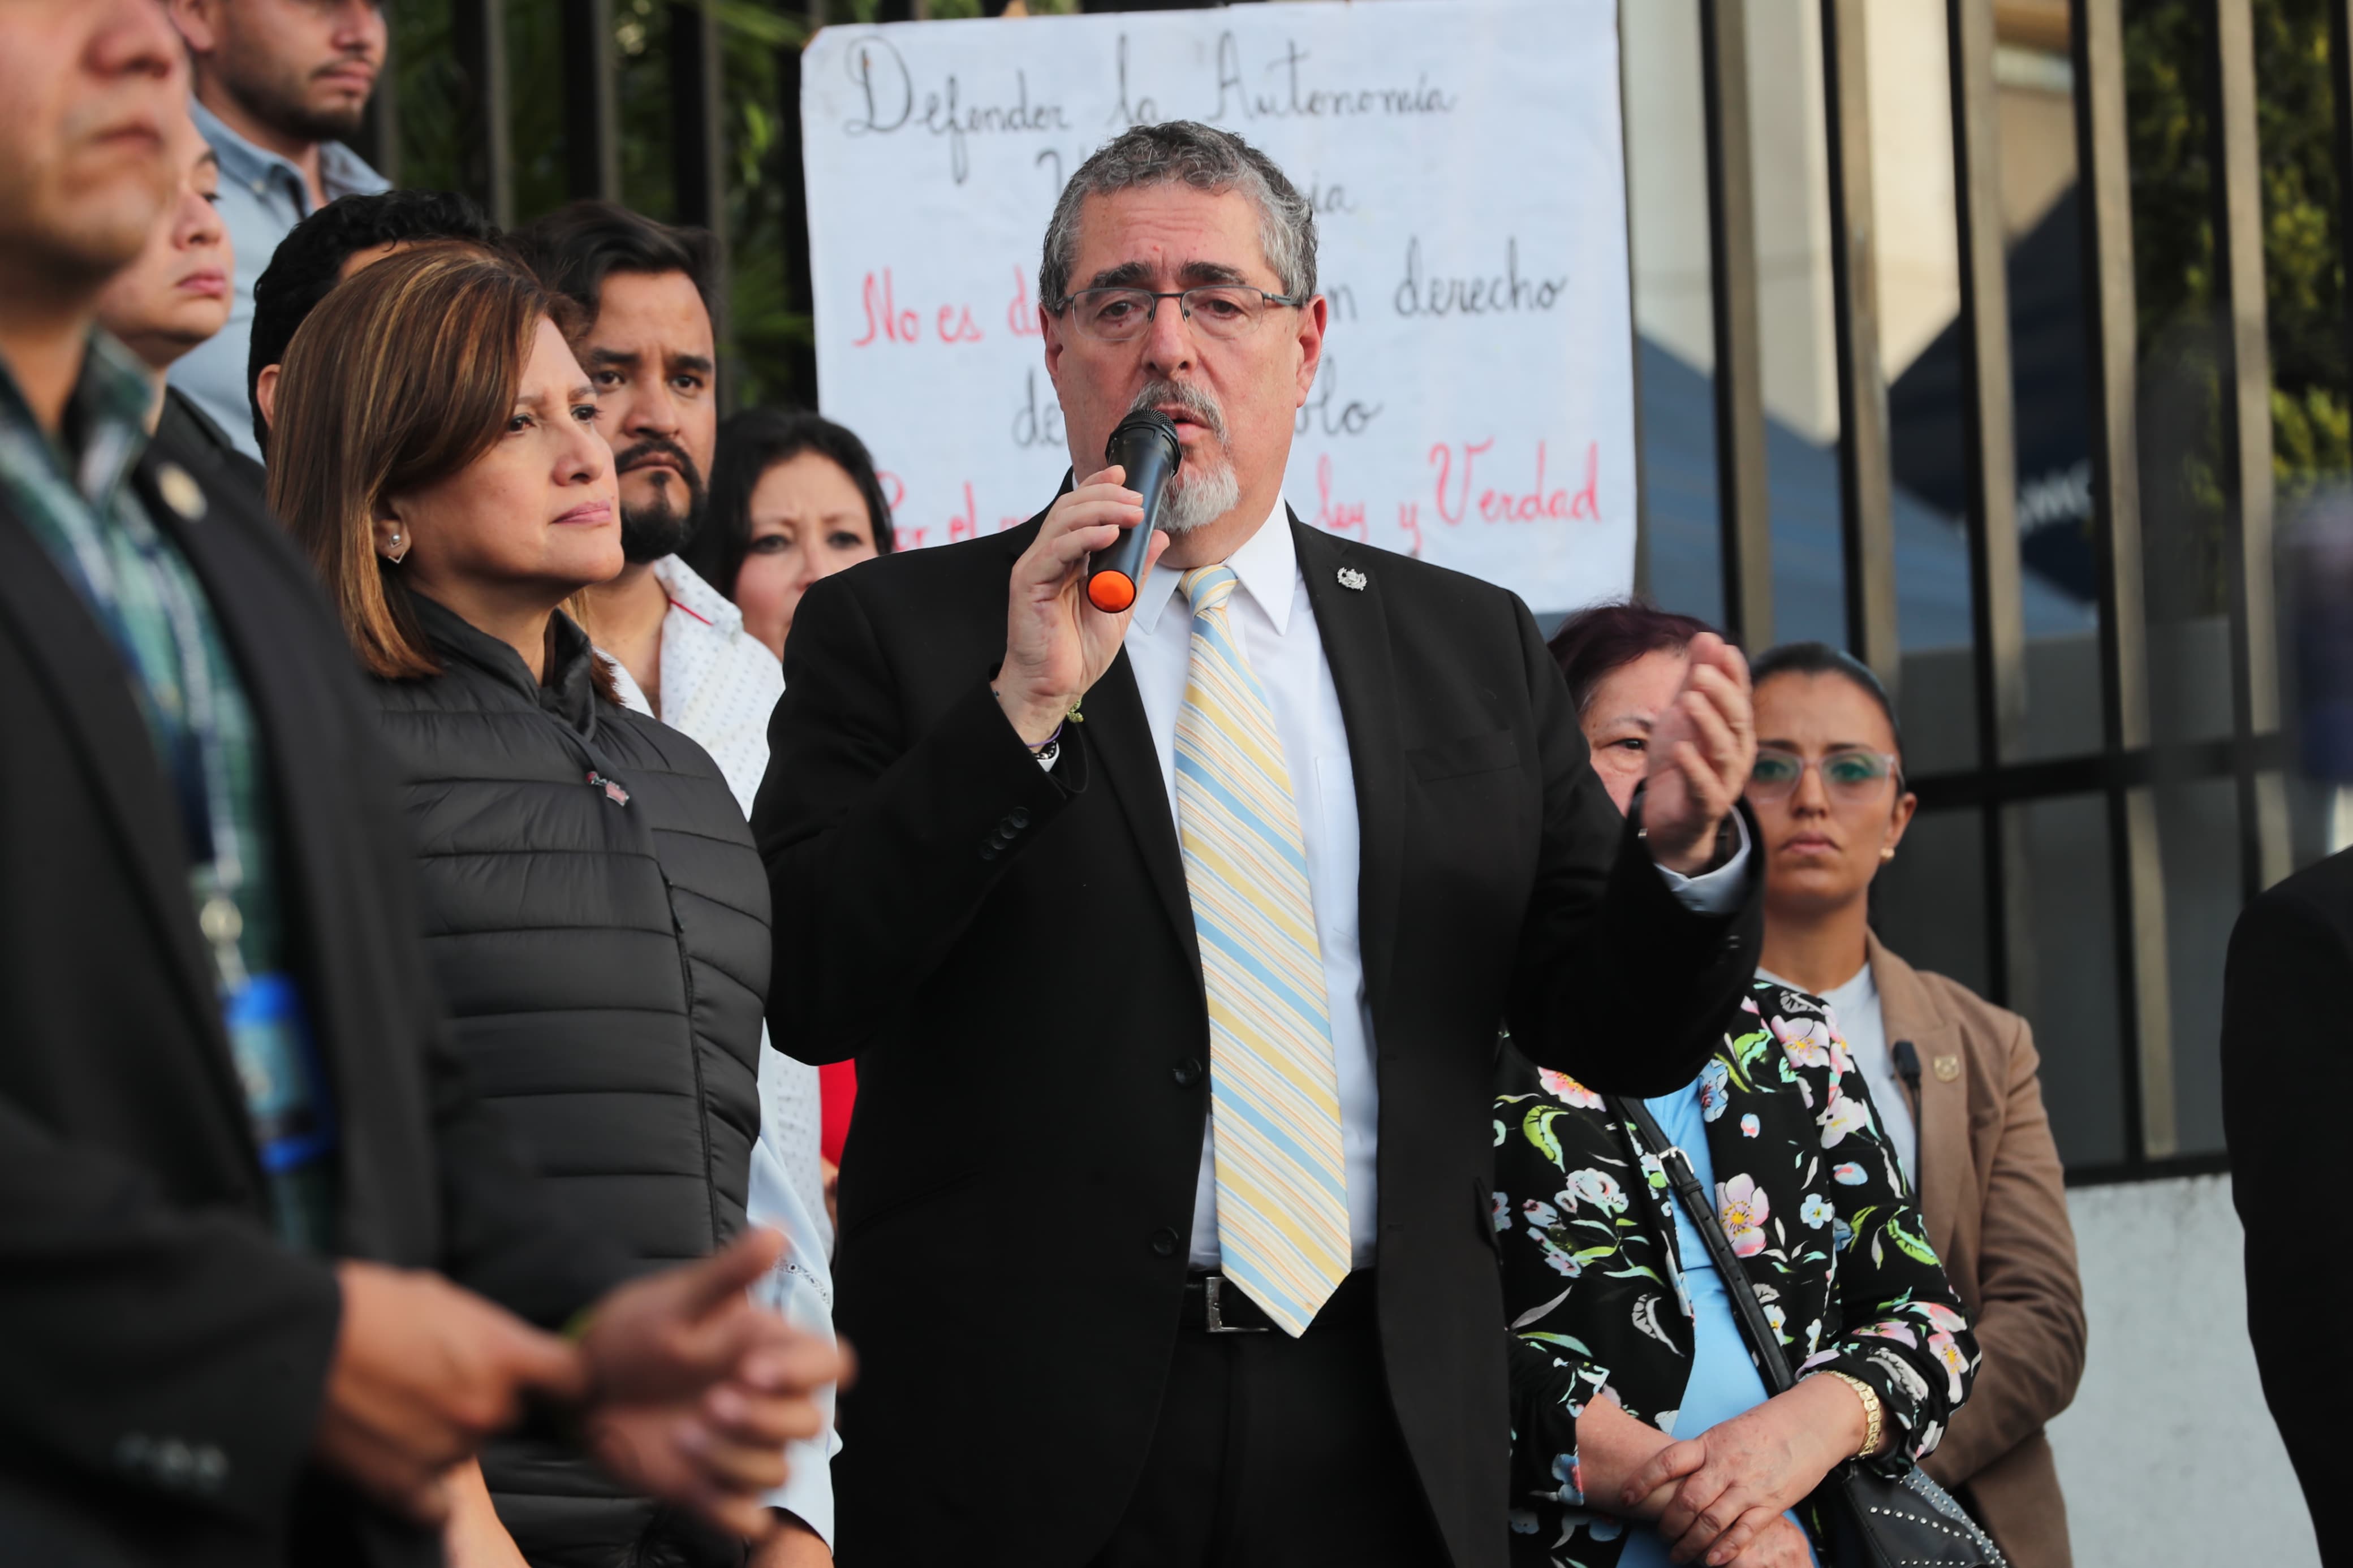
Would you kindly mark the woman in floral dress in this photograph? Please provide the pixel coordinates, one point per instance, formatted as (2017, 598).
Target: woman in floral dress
(1641, 1426)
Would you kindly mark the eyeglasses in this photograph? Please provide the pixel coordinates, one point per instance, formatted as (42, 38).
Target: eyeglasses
(1852, 774)
(1122, 315)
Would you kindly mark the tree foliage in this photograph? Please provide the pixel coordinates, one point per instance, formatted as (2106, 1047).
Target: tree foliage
(770, 347)
(2180, 328)
(769, 339)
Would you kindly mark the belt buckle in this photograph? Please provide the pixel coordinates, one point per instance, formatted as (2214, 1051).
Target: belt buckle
(1213, 1315)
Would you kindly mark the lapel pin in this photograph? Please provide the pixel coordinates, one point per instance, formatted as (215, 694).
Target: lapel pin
(180, 492)
(1947, 1069)
(1352, 579)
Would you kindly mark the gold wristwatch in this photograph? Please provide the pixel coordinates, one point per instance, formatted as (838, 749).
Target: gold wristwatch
(1873, 1412)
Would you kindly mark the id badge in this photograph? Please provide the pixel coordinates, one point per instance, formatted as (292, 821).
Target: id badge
(271, 1042)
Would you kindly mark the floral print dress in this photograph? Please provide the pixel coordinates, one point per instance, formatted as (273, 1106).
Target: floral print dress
(1811, 1194)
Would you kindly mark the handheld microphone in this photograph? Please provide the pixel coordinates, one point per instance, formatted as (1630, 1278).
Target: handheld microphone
(1146, 445)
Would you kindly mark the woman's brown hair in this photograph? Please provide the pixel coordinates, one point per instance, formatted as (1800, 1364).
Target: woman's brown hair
(403, 376)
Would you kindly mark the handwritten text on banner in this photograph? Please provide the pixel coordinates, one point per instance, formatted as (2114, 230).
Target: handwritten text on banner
(1475, 406)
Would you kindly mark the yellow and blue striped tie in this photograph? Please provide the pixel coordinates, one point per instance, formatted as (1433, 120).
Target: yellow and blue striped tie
(1282, 1190)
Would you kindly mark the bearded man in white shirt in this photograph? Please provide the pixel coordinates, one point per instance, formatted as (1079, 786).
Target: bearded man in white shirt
(1172, 945)
(678, 652)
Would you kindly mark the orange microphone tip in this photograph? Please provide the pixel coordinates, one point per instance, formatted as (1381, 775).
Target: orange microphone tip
(1110, 592)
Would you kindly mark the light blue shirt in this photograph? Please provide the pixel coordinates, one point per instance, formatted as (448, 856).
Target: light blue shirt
(1724, 1379)
(262, 196)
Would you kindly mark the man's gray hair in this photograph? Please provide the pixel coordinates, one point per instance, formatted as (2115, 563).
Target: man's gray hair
(1206, 158)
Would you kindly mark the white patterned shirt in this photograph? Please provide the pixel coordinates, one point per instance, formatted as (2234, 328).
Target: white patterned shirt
(718, 685)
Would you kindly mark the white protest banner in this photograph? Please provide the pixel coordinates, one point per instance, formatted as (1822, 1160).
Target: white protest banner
(1475, 406)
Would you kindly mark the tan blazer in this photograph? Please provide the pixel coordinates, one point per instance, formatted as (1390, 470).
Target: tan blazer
(1997, 1214)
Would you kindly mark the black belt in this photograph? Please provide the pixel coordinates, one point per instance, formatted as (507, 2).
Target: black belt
(1216, 1305)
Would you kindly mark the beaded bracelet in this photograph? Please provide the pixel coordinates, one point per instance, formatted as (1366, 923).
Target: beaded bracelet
(1039, 749)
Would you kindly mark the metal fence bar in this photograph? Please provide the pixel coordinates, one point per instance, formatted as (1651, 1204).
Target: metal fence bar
(592, 112)
(791, 173)
(1741, 498)
(2340, 75)
(1989, 456)
(2246, 423)
(1867, 523)
(1633, 328)
(478, 32)
(699, 154)
(2136, 872)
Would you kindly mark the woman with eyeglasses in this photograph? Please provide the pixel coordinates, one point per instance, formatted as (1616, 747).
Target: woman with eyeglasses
(1641, 1430)
(1957, 1078)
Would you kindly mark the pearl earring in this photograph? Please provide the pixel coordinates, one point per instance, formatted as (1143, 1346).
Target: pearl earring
(399, 548)
(1888, 853)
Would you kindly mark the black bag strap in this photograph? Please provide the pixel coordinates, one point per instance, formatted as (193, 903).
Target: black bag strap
(1771, 1360)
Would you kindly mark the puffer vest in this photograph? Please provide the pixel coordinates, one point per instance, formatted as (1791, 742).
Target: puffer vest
(597, 921)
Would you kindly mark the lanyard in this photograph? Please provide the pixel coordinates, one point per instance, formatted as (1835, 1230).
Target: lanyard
(199, 762)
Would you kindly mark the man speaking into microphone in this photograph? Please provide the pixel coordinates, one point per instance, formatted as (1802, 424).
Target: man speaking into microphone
(1172, 944)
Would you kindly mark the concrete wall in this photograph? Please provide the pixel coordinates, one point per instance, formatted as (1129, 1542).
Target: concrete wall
(2168, 1457)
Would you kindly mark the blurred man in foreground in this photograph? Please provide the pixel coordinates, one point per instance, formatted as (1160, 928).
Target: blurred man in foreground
(234, 1143)
(281, 86)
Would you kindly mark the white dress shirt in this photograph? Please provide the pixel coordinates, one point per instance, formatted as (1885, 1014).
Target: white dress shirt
(1271, 613)
(1855, 1015)
(718, 685)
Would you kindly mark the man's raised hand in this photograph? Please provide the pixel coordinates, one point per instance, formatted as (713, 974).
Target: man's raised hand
(1703, 746)
(1057, 645)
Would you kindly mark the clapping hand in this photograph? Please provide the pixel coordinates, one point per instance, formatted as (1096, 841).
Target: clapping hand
(1702, 745)
(693, 1392)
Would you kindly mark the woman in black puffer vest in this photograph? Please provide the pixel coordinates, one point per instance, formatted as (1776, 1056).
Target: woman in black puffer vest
(596, 915)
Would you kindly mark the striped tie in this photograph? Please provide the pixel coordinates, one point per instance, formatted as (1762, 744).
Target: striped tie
(1283, 1192)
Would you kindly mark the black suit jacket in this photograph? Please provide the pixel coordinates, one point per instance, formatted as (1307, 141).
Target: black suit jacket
(167, 1355)
(1010, 955)
(191, 430)
(2284, 994)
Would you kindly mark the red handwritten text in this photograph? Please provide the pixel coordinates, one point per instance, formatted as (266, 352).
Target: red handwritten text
(1409, 524)
(1441, 458)
(1533, 504)
(1022, 316)
(1346, 517)
(884, 319)
(887, 323)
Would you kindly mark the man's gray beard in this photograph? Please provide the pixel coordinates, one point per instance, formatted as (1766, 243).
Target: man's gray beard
(1196, 497)
(1196, 494)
